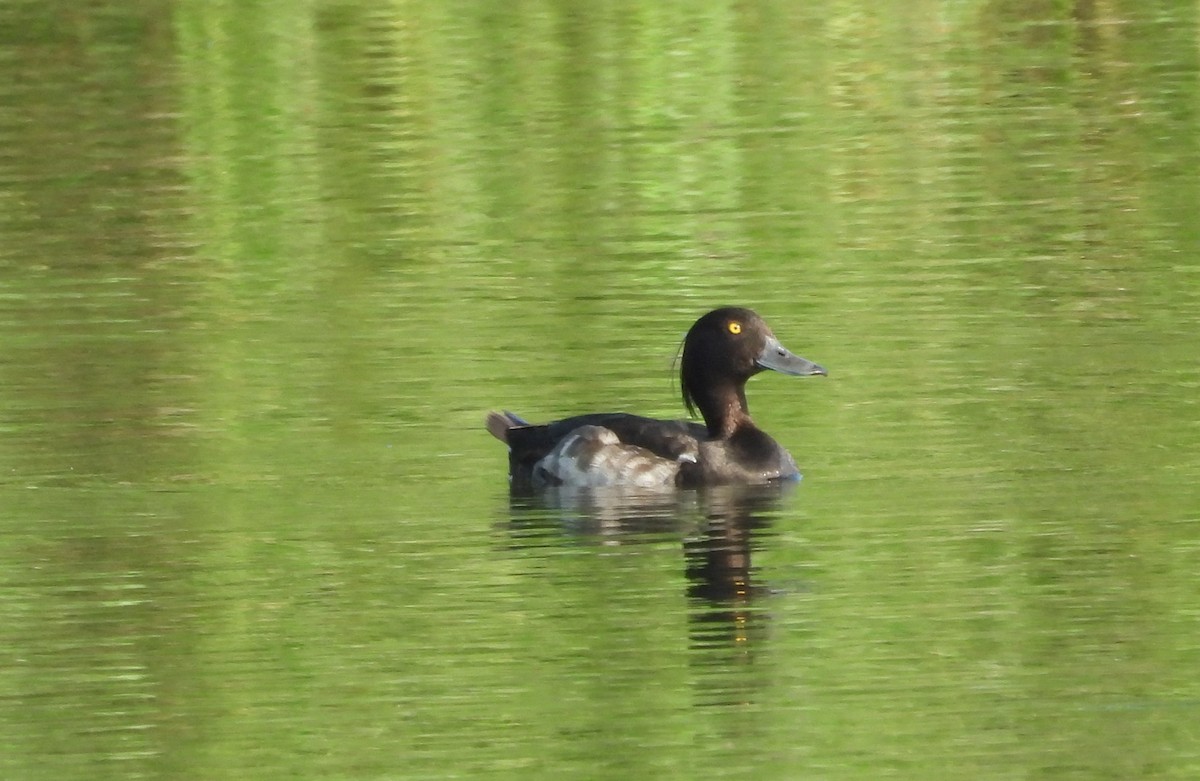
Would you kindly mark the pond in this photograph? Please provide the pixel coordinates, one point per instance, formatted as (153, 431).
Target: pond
(265, 267)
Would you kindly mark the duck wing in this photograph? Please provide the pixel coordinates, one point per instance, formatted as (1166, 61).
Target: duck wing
(600, 449)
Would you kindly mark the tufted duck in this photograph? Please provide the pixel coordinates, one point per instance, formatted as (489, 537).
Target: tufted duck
(720, 353)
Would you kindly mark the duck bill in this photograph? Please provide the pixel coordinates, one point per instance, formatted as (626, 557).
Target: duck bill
(778, 358)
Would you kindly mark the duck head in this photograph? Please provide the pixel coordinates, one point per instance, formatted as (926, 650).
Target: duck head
(724, 349)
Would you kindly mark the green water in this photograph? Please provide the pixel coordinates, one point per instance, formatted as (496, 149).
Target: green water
(264, 267)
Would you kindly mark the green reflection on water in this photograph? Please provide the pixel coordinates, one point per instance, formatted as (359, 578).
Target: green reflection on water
(265, 266)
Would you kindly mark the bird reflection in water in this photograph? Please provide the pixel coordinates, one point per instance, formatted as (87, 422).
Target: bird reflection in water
(720, 527)
(718, 563)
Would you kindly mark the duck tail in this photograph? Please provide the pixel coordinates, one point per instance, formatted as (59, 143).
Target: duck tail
(498, 424)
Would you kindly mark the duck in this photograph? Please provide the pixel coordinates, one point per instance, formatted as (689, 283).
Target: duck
(721, 351)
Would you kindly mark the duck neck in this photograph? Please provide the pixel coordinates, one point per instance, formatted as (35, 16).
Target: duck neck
(724, 408)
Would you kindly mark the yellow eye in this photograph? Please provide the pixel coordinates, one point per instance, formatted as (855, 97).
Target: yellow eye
(735, 327)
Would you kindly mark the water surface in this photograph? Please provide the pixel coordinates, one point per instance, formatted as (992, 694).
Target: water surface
(264, 268)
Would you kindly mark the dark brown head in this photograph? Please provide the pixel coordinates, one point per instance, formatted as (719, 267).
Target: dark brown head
(722, 350)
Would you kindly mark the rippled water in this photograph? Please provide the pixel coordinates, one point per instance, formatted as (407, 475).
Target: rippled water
(263, 269)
